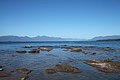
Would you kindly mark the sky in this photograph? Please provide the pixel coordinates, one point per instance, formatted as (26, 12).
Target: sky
(82, 19)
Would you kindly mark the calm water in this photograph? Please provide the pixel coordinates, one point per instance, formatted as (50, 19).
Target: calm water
(44, 60)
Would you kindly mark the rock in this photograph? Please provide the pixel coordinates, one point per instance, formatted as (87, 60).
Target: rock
(13, 55)
(76, 50)
(46, 48)
(27, 46)
(3, 74)
(88, 47)
(21, 51)
(34, 51)
(72, 48)
(84, 52)
(107, 66)
(1, 68)
(93, 53)
(51, 71)
(64, 68)
(65, 47)
(24, 71)
(106, 49)
(23, 78)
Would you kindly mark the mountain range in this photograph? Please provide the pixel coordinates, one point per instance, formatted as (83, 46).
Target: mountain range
(106, 37)
(47, 38)
(26, 38)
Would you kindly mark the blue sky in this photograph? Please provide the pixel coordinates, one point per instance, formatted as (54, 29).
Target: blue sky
(61, 18)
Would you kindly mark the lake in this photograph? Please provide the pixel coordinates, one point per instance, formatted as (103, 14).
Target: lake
(38, 63)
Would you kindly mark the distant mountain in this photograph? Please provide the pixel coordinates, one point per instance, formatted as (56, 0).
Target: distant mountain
(26, 38)
(106, 37)
(37, 38)
(47, 38)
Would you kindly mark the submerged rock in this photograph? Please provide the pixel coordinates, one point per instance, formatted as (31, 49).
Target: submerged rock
(76, 50)
(21, 51)
(105, 65)
(84, 52)
(88, 47)
(93, 53)
(3, 74)
(27, 46)
(23, 78)
(63, 68)
(45, 48)
(34, 51)
(24, 71)
(106, 49)
(73, 49)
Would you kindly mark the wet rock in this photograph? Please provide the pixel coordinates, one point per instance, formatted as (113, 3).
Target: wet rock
(66, 50)
(34, 51)
(63, 68)
(88, 47)
(65, 47)
(76, 50)
(24, 71)
(13, 55)
(23, 78)
(27, 46)
(93, 53)
(84, 52)
(1, 68)
(21, 51)
(45, 48)
(107, 66)
(106, 49)
(72, 48)
(3, 74)
(51, 71)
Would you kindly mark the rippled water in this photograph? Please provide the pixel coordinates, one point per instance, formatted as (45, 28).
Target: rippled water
(44, 60)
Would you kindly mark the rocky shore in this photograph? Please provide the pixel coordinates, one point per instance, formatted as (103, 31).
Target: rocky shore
(57, 64)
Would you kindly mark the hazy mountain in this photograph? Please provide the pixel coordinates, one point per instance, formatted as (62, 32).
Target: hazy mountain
(106, 37)
(47, 38)
(37, 38)
(25, 38)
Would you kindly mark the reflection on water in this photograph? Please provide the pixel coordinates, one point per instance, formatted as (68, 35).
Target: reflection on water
(44, 60)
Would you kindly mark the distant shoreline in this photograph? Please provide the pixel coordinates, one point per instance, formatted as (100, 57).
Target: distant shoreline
(110, 40)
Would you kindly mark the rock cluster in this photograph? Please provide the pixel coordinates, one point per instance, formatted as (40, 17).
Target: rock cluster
(105, 65)
(63, 68)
